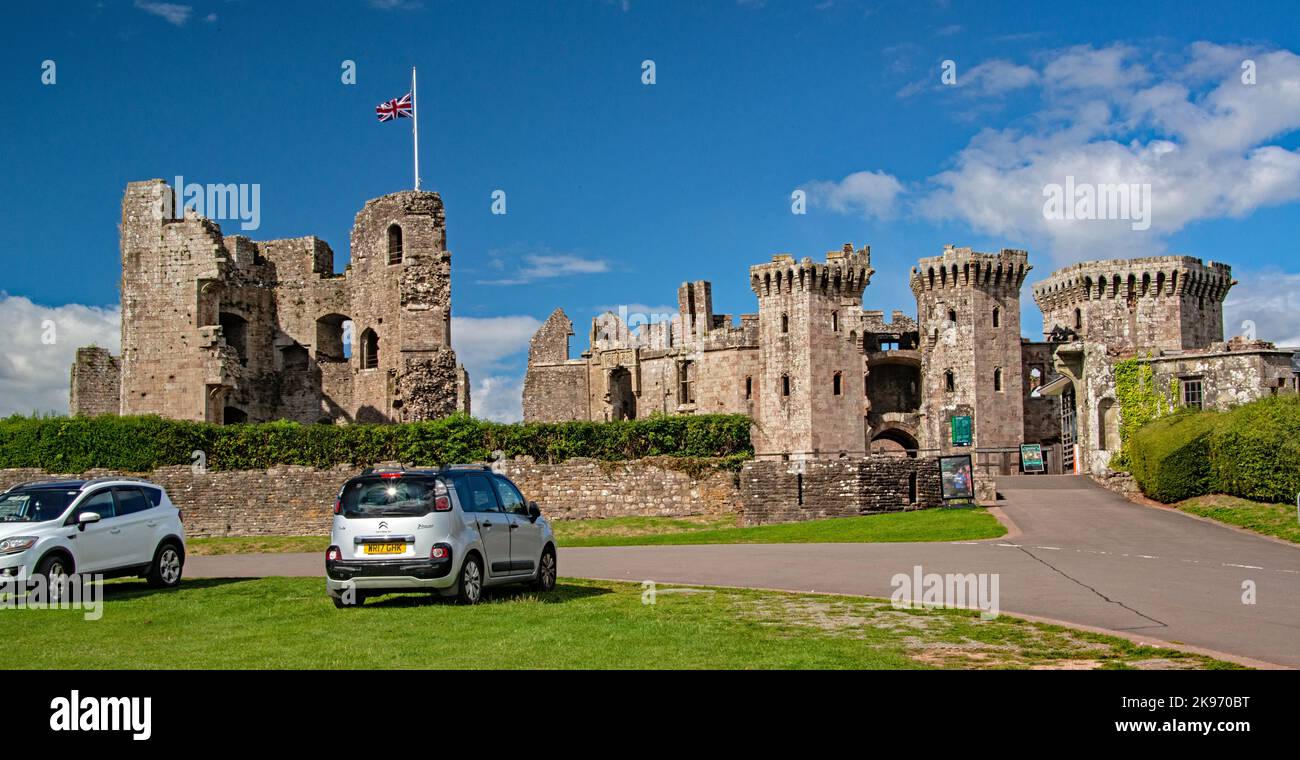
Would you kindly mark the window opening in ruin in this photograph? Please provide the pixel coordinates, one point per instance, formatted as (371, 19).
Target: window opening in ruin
(394, 244)
(837, 383)
(333, 338)
(1078, 319)
(294, 358)
(686, 382)
(1035, 378)
(785, 385)
(997, 379)
(1193, 396)
(997, 317)
(835, 321)
(952, 315)
(949, 381)
(749, 387)
(234, 329)
(369, 349)
(785, 323)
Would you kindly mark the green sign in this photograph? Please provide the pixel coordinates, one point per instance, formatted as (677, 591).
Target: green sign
(1031, 457)
(961, 430)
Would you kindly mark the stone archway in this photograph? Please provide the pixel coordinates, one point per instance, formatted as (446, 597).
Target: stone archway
(621, 397)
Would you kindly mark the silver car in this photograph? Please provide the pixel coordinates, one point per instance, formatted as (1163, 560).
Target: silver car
(453, 531)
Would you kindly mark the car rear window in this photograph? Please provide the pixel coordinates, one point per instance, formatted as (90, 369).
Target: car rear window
(408, 495)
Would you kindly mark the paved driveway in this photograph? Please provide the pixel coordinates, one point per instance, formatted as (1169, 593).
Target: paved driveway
(1083, 555)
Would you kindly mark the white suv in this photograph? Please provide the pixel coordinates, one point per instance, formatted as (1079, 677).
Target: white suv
(107, 526)
(451, 531)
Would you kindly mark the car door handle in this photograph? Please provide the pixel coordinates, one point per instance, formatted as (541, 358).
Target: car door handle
(513, 526)
(487, 524)
(152, 524)
(115, 531)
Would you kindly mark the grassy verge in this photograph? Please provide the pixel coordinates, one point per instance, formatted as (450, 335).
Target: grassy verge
(1277, 520)
(925, 525)
(289, 623)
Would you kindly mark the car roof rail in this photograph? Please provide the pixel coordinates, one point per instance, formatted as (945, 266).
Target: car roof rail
(480, 467)
(385, 468)
(109, 479)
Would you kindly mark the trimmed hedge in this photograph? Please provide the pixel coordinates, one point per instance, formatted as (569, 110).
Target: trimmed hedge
(141, 444)
(1252, 451)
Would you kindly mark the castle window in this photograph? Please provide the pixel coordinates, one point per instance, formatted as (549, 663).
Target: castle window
(333, 338)
(785, 323)
(686, 382)
(997, 317)
(749, 387)
(1035, 378)
(1078, 319)
(835, 321)
(369, 349)
(997, 379)
(837, 383)
(294, 358)
(952, 315)
(1193, 393)
(394, 244)
(949, 381)
(234, 329)
(785, 385)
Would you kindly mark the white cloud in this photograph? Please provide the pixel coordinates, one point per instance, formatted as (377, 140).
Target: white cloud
(485, 345)
(545, 265)
(498, 398)
(1271, 300)
(33, 375)
(871, 194)
(172, 13)
(1184, 125)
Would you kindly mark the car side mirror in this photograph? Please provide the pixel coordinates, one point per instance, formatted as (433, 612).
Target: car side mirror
(86, 518)
(534, 511)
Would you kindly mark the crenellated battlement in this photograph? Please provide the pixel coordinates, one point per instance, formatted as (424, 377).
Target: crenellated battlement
(846, 273)
(964, 267)
(1156, 276)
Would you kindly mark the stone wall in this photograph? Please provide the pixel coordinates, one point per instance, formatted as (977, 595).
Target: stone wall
(96, 383)
(294, 500)
(774, 491)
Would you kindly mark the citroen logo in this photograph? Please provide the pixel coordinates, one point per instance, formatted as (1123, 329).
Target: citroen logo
(383, 525)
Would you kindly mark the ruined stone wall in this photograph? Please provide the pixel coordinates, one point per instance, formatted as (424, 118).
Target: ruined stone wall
(1227, 378)
(985, 360)
(773, 491)
(293, 500)
(1128, 305)
(1042, 414)
(96, 383)
(224, 329)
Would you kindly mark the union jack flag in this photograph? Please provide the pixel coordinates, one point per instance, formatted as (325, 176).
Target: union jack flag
(399, 108)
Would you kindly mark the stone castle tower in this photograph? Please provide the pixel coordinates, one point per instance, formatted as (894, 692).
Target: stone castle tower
(1169, 303)
(968, 315)
(810, 402)
(220, 328)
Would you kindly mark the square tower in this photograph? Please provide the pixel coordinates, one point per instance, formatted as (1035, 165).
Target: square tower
(811, 400)
(968, 315)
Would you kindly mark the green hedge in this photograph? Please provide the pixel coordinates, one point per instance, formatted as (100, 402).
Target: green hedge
(140, 444)
(1252, 451)
(1170, 457)
(1255, 451)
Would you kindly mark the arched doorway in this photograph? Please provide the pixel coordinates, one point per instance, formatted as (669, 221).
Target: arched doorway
(894, 442)
(622, 400)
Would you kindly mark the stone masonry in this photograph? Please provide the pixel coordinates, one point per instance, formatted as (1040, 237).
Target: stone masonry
(220, 328)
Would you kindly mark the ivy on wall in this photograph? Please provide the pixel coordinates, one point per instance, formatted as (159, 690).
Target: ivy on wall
(1140, 402)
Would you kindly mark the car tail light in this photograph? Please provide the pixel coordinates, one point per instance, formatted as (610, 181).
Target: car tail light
(389, 475)
(442, 504)
(440, 552)
(333, 554)
(338, 506)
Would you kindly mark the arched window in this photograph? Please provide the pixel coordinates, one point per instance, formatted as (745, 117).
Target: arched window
(952, 315)
(997, 317)
(949, 381)
(835, 321)
(1078, 319)
(785, 385)
(837, 383)
(785, 323)
(997, 379)
(394, 244)
(369, 349)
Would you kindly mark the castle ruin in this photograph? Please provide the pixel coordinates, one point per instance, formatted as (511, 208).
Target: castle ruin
(220, 328)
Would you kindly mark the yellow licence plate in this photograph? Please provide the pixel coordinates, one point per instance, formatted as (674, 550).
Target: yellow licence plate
(384, 548)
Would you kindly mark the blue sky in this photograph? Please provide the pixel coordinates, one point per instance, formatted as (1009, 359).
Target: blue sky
(617, 191)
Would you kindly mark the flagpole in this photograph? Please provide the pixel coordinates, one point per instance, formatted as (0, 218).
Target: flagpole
(415, 128)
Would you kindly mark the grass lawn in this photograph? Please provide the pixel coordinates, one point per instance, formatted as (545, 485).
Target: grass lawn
(289, 623)
(1277, 520)
(923, 525)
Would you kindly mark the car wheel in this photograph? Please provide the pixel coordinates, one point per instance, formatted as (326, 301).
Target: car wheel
(546, 571)
(166, 569)
(54, 569)
(470, 588)
(342, 603)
